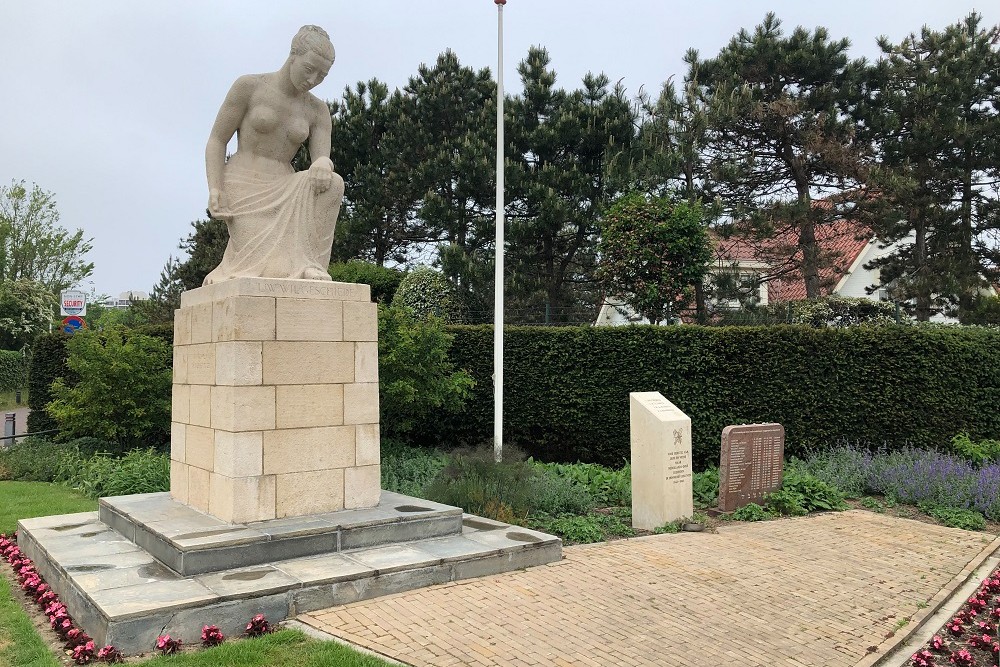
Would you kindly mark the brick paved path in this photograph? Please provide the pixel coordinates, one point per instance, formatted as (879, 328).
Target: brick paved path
(816, 590)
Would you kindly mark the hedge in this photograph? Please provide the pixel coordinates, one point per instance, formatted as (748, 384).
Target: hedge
(566, 389)
(48, 362)
(11, 370)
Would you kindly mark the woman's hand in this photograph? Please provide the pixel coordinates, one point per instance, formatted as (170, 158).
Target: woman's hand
(321, 174)
(218, 205)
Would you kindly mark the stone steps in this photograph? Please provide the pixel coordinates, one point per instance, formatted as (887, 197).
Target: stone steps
(119, 593)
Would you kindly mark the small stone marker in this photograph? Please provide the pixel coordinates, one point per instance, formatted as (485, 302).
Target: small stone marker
(751, 463)
(661, 461)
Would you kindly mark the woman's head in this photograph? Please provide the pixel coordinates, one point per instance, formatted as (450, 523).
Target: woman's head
(315, 39)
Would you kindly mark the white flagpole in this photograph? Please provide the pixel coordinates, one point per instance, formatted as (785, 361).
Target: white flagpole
(498, 269)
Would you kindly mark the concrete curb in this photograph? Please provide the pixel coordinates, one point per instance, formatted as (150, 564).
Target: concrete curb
(888, 651)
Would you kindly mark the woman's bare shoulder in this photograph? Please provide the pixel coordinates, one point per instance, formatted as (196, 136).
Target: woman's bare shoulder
(319, 108)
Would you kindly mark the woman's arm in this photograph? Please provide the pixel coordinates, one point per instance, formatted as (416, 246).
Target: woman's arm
(320, 131)
(230, 116)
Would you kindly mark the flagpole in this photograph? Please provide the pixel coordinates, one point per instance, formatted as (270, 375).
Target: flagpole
(498, 269)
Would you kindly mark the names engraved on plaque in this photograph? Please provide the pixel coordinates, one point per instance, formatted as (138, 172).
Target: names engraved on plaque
(751, 464)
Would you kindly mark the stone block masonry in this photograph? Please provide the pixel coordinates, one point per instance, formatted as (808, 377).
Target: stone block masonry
(275, 399)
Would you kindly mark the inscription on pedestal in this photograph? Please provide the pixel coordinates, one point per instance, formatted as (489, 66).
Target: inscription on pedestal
(751, 463)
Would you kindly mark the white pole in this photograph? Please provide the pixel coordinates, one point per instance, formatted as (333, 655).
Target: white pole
(498, 269)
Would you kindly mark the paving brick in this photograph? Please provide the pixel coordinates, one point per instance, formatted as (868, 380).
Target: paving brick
(804, 592)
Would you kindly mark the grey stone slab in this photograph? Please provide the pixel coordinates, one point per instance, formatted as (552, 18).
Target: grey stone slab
(368, 535)
(248, 582)
(101, 576)
(512, 539)
(135, 558)
(59, 521)
(324, 569)
(159, 548)
(455, 548)
(394, 558)
(140, 600)
(506, 562)
(208, 539)
(322, 596)
(472, 523)
(81, 549)
(295, 527)
(118, 522)
(407, 580)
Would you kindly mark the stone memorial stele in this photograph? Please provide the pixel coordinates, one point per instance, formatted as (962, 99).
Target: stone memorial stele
(275, 505)
(750, 464)
(661, 461)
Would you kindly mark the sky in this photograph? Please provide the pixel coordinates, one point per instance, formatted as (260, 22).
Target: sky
(108, 103)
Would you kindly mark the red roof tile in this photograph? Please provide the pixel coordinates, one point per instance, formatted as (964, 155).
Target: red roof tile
(841, 243)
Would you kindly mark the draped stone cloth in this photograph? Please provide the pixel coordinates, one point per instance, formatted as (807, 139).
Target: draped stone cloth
(280, 227)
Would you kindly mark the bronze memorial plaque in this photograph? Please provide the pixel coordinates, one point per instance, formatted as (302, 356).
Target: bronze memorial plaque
(751, 463)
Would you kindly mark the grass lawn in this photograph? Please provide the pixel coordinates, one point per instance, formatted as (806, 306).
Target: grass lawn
(22, 646)
(8, 402)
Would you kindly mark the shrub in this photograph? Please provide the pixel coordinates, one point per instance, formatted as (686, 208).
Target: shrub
(843, 467)
(409, 470)
(473, 481)
(555, 494)
(802, 493)
(977, 453)
(418, 383)
(752, 512)
(383, 281)
(13, 373)
(572, 529)
(605, 485)
(122, 393)
(139, 471)
(32, 459)
(954, 517)
(427, 292)
(48, 363)
(566, 388)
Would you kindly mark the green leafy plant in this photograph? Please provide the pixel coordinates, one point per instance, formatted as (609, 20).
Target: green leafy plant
(596, 526)
(139, 471)
(752, 512)
(408, 470)
(417, 381)
(977, 453)
(122, 389)
(606, 486)
(705, 486)
(13, 370)
(33, 459)
(802, 493)
(955, 517)
(555, 494)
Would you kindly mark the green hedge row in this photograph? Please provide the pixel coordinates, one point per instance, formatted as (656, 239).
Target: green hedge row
(48, 362)
(12, 370)
(566, 389)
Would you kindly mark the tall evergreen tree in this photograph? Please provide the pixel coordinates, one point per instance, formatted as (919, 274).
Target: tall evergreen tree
(561, 174)
(375, 149)
(780, 137)
(935, 119)
(454, 111)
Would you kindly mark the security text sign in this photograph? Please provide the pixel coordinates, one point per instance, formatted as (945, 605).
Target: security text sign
(73, 302)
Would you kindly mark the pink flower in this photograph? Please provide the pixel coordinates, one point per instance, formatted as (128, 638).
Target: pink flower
(211, 635)
(977, 603)
(937, 643)
(110, 654)
(258, 626)
(84, 653)
(166, 645)
(962, 658)
(954, 626)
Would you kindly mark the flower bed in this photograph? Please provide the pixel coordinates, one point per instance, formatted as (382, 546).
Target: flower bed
(969, 637)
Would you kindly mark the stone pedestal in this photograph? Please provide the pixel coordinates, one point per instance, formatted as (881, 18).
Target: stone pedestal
(275, 399)
(661, 461)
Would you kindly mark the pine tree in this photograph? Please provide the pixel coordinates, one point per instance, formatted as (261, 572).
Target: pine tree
(935, 119)
(563, 150)
(780, 137)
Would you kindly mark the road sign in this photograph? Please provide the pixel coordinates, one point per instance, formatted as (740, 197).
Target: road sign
(72, 323)
(73, 302)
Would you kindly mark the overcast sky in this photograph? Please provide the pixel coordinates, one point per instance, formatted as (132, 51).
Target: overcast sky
(109, 104)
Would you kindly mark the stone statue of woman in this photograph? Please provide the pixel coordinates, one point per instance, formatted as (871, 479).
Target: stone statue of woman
(280, 222)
